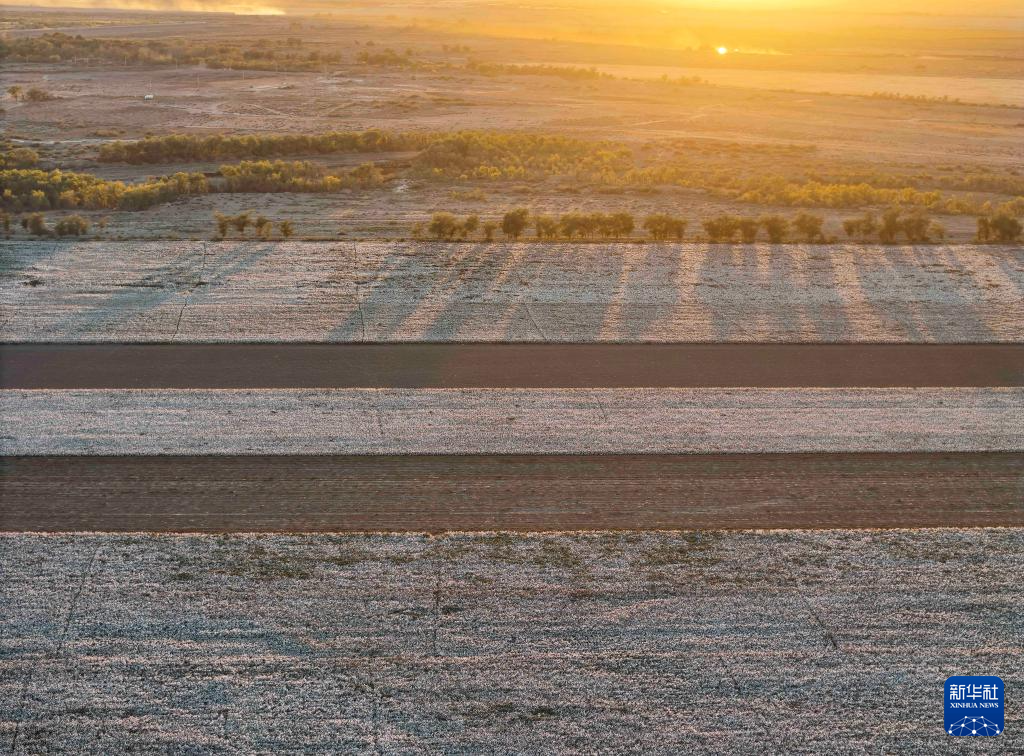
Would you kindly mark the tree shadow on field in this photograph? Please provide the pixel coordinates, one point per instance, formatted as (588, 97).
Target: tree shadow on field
(184, 277)
(830, 319)
(725, 317)
(886, 282)
(442, 292)
(20, 256)
(649, 293)
(582, 286)
(959, 316)
(1011, 261)
(410, 280)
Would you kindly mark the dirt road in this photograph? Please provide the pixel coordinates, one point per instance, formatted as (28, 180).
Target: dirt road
(515, 492)
(213, 366)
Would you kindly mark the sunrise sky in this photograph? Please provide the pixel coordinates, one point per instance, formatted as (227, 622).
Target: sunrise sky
(925, 7)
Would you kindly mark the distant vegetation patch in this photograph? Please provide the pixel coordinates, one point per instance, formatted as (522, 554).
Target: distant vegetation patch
(299, 176)
(185, 148)
(495, 155)
(262, 54)
(32, 189)
(767, 175)
(514, 69)
(18, 157)
(756, 174)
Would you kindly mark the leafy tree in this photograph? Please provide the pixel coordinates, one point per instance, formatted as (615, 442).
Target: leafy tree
(470, 226)
(657, 226)
(489, 228)
(241, 222)
(1001, 227)
(573, 224)
(546, 226)
(861, 228)
(721, 228)
(264, 226)
(620, 225)
(662, 227)
(443, 226)
(809, 227)
(776, 227)
(72, 225)
(596, 224)
(891, 225)
(1006, 227)
(36, 225)
(15, 92)
(984, 232)
(223, 224)
(748, 229)
(515, 222)
(916, 226)
(286, 228)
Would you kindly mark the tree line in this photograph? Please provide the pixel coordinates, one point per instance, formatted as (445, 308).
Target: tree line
(464, 154)
(34, 190)
(1000, 227)
(894, 224)
(262, 226)
(913, 226)
(32, 94)
(264, 176)
(35, 224)
(23, 190)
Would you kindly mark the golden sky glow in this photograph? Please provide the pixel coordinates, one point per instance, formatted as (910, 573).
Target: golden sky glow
(277, 7)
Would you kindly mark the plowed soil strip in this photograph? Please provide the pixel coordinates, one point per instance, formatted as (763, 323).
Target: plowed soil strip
(510, 492)
(245, 366)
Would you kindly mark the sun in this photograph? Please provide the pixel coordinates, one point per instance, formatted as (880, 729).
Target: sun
(721, 50)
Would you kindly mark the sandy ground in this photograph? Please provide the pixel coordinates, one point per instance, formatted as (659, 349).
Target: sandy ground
(189, 99)
(751, 642)
(974, 89)
(296, 291)
(510, 421)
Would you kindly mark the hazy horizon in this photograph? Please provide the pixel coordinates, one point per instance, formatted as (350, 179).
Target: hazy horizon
(942, 8)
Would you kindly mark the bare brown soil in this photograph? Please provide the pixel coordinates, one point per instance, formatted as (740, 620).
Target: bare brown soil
(213, 366)
(521, 493)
